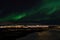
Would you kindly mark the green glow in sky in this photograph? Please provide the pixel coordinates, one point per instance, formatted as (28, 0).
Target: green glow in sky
(48, 7)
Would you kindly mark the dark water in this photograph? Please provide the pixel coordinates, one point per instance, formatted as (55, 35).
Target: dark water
(32, 36)
(53, 35)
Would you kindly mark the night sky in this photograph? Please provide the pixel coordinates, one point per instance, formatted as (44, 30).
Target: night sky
(29, 10)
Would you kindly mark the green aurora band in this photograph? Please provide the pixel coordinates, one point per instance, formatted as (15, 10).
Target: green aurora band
(48, 7)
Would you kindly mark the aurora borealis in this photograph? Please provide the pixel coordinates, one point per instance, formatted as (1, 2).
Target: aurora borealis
(42, 10)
